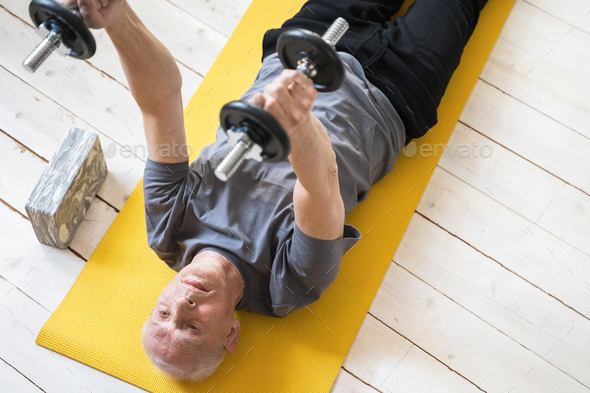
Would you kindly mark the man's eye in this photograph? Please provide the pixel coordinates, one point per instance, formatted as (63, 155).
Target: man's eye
(192, 327)
(163, 313)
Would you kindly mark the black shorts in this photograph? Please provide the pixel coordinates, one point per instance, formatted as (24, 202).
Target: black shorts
(410, 60)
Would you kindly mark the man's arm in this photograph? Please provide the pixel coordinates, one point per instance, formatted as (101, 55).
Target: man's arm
(319, 209)
(153, 76)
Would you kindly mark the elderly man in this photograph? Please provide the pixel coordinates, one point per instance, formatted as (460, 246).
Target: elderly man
(270, 240)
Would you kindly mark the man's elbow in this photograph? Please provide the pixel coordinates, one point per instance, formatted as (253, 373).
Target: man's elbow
(333, 170)
(164, 102)
(175, 84)
(333, 182)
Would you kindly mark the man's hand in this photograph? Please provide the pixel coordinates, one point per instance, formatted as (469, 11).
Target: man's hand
(97, 14)
(289, 99)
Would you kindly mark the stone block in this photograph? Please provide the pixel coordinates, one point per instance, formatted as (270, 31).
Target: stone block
(68, 185)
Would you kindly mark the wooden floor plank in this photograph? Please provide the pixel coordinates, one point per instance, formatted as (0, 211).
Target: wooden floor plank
(549, 39)
(518, 244)
(485, 288)
(569, 218)
(575, 12)
(44, 274)
(419, 372)
(13, 381)
(375, 352)
(530, 134)
(196, 44)
(378, 353)
(540, 85)
(21, 319)
(483, 355)
(499, 173)
(39, 124)
(346, 383)
(222, 15)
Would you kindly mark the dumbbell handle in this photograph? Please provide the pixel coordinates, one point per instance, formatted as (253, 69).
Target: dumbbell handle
(42, 51)
(331, 37)
(335, 31)
(232, 161)
(52, 41)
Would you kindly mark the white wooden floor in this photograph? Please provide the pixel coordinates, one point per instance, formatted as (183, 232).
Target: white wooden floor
(490, 287)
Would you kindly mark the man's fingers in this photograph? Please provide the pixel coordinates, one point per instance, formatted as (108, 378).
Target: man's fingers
(257, 99)
(293, 76)
(296, 110)
(278, 92)
(92, 12)
(299, 78)
(87, 8)
(295, 88)
(69, 4)
(300, 86)
(274, 107)
(281, 93)
(85, 4)
(91, 8)
(289, 98)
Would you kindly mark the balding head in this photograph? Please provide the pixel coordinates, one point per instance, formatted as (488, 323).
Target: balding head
(192, 325)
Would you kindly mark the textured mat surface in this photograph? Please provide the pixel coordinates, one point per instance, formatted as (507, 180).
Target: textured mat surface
(100, 320)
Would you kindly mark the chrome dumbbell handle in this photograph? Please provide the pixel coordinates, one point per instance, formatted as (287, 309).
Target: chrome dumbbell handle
(243, 148)
(232, 161)
(335, 31)
(331, 37)
(62, 30)
(49, 44)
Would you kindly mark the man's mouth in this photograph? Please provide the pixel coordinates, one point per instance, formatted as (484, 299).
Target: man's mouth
(194, 285)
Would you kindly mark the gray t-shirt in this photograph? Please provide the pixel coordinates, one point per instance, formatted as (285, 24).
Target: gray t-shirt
(250, 218)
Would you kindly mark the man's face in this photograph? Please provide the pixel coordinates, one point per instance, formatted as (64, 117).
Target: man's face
(193, 310)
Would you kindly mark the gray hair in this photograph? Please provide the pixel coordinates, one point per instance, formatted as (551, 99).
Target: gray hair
(207, 364)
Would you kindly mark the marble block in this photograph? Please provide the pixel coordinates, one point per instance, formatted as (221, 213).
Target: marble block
(63, 195)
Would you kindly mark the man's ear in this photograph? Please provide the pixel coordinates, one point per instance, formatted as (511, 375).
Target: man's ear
(231, 340)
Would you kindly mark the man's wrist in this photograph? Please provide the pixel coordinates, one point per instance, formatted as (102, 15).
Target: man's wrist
(303, 137)
(123, 21)
(312, 156)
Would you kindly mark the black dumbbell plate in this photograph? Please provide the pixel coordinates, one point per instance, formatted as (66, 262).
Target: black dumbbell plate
(265, 130)
(295, 44)
(76, 34)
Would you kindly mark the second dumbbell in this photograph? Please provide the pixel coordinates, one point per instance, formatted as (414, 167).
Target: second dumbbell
(256, 134)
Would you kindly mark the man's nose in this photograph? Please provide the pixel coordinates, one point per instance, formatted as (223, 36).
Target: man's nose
(181, 304)
(184, 302)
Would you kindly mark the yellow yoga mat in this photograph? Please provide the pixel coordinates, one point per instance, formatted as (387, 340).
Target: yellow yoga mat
(100, 320)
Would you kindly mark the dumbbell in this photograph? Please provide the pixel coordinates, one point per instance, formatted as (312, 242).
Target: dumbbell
(253, 132)
(315, 56)
(62, 30)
